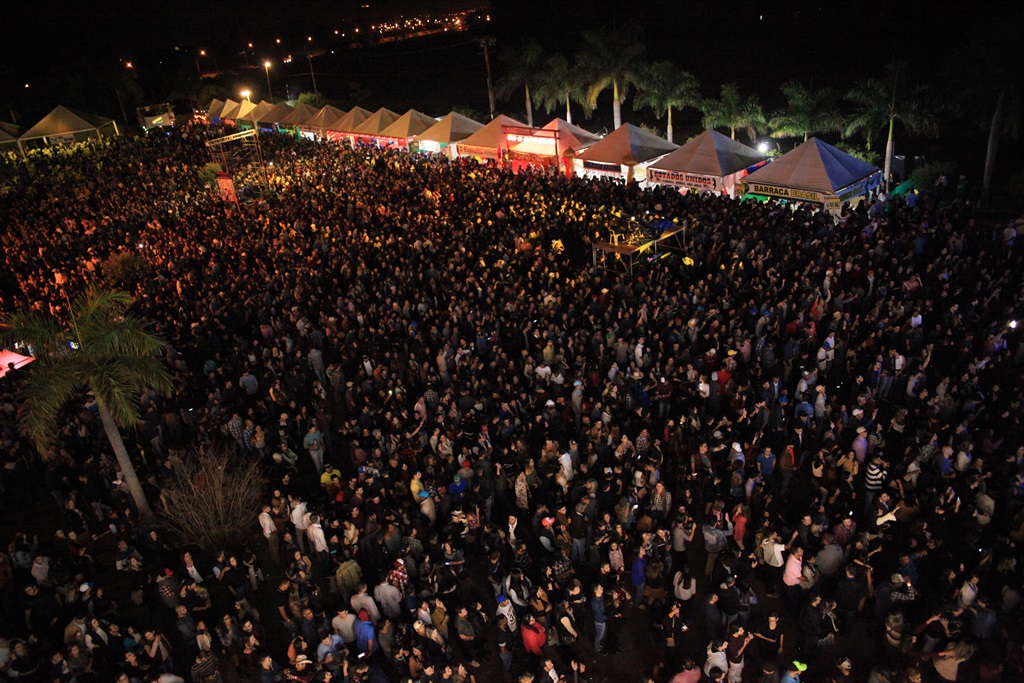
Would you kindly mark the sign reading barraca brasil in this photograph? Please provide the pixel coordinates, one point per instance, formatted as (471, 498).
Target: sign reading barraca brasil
(787, 193)
(700, 182)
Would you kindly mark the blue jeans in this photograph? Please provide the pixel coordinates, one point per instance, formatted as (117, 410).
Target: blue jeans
(599, 628)
(579, 551)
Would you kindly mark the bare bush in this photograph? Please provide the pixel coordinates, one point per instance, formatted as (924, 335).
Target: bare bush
(214, 500)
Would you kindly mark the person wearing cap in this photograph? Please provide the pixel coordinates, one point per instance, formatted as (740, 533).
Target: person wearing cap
(366, 634)
(793, 671)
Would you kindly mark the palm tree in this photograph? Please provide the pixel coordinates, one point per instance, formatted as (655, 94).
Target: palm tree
(734, 112)
(807, 112)
(881, 104)
(106, 349)
(987, 87)
(664, 86)
(520, 69)
(611, 58)
(560, 84)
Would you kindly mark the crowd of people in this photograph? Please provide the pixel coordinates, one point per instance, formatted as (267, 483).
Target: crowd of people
(794, 456)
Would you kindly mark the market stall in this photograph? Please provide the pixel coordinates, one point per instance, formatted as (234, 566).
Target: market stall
(624, 153)
(444, 134)
(230, 117)
(403, 131)
(290, 124)
(316, 126)
(343, 127)
(710, 162)
(551, 146)
(281, 110)
(815, 172)
(65, 126)
(491, 141)
(369, 130)
(217, 115)
(254, 117)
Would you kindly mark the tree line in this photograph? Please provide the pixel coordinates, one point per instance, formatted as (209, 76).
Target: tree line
(980, 85)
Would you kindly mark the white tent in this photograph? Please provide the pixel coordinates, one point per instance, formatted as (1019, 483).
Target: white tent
(63, 125)
(710, 162)
(815, 172)
(408, 126)
(490, 141)
(623, 152)
(451, 129)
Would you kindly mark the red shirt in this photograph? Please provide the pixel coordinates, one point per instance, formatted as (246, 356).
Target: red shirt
(534, 638)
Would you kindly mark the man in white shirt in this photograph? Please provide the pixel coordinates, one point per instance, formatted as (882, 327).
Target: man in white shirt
(362, 600)
(270, 533)
(344, 624)
(298, 517)
(389, 598)
(318, 542)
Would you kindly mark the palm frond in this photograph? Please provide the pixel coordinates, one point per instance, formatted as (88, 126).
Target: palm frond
(51, 384)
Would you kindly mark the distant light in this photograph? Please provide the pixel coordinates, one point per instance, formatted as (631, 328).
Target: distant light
(141, 245)
(266, 65)
(26, 85)
(763, 148)
(245, 94)
(309, 38)
(202, 53)
(1013, 324)
(278, 41)
(73, 345)
(335, 31)
(250, 44)
(129, 65)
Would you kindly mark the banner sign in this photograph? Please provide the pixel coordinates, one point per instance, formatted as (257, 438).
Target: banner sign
(482, 152)
(599, 167)
(680, 179)
(787, 193)
(227, 188)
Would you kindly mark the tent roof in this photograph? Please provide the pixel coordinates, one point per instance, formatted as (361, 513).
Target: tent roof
(215, 107)
(710, 154)
(280, 111)
(243, 108)
(323, 118)
(571, 136)
(627, 146)
(492, 135)
(299, 115)
(64, 121)
(259, 112)
(814, 165)
(229, 105)
(409, 125)
(452, 128)
(350, 121)
(378, 121)
(4, 135)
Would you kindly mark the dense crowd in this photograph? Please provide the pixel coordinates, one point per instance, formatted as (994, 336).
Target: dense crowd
(794, 456)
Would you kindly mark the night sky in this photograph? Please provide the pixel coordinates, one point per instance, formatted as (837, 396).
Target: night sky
(76, 57)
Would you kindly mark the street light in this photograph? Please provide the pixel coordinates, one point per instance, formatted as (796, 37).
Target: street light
(245, 94)
(270, 91)
(202, 53)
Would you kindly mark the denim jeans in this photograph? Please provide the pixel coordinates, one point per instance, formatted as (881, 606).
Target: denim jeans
(599, 628)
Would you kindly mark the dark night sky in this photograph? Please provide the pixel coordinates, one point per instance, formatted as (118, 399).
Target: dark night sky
(757, 44)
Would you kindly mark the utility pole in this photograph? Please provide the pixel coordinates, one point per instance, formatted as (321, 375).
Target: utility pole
(309, 58)
(488, 42)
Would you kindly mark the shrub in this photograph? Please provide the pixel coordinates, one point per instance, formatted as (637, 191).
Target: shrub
(208, 174)
(924, 177)
(124, 269)
(214, 500)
